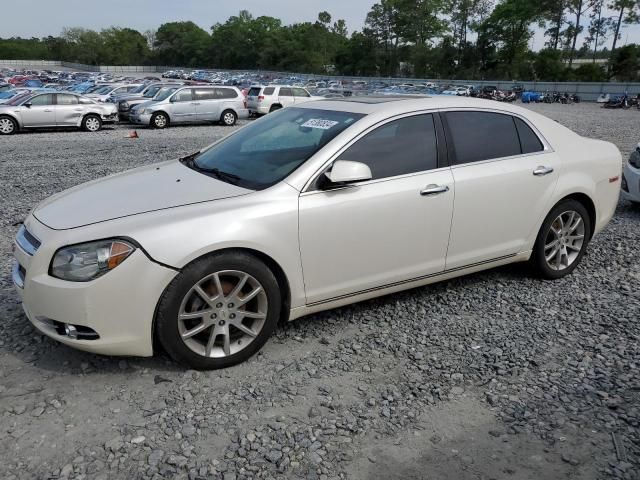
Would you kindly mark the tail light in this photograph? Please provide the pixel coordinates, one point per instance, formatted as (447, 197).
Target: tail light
(261, 98)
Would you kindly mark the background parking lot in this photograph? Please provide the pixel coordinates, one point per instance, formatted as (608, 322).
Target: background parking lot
(494, 375)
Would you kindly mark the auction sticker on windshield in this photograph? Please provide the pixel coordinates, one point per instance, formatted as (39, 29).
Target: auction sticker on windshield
(319, 123)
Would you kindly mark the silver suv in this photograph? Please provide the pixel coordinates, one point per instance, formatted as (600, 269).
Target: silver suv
(202, 104)
(263, 100)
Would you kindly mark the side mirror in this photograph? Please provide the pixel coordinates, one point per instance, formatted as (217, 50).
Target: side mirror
(28, 104)
(345, 171)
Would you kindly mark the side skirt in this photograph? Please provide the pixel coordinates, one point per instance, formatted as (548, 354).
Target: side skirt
(405, 285)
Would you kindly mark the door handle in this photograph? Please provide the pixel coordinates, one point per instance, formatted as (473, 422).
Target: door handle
(48, 110)
(195, 103)
(434, 190)
(541, 171)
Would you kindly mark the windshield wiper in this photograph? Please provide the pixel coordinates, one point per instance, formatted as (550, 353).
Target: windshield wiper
(220, 175)
(189, 161)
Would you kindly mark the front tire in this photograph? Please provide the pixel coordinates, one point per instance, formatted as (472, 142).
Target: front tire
(219, 311)
(159, 120)
(562, 240)
(8, 126)
(228, 118)
(91, 123)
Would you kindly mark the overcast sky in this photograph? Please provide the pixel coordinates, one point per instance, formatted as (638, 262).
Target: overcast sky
(27, 18)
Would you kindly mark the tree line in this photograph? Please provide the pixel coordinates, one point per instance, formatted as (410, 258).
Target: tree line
(470, 39)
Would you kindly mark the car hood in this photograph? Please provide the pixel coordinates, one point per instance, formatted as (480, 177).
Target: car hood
(145, 189)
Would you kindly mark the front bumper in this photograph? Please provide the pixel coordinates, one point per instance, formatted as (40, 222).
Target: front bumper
(119, 306)
(140, 119)
(631, 183)
(110, 118)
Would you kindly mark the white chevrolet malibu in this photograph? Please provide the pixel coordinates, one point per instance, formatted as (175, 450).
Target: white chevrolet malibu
(307, 209)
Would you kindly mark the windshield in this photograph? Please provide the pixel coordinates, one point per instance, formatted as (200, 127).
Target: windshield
(151, 92)
(267, 151)
(102, 90)
(164, 93)
(18, 99)
(139, 89)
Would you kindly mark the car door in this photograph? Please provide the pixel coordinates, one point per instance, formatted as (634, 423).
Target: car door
(68, 110)
(38, 111)
(207, 104)
(391, 229)
(505, 176)
(285, 97)
(182, 107)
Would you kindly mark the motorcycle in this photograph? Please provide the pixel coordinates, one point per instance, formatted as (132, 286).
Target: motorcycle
(618, 102)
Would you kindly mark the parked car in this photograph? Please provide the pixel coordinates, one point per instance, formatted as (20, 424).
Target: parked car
(263, 100)
(203, 104)
(127, 101)
(460, 91)
(631, 177)
(304, 211)
(54, 110)
(104, 93)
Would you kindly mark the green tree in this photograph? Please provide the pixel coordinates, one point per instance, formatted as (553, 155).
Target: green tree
(625, 63)
(181, 44)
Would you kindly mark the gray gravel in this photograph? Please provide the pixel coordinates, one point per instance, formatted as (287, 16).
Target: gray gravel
(495, 375)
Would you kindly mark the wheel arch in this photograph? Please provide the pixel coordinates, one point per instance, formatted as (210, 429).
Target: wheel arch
(14, 118)
(162, 112)
(273, 265)
(587, 203)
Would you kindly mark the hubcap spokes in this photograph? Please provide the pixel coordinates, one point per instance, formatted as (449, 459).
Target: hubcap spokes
(564, 240)
(222, 314)
(6, 126)
(92, 124)
(228, 118)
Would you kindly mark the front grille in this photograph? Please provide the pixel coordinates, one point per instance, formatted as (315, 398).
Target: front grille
(27, 241)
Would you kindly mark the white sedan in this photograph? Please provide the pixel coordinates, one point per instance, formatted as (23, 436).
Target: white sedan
(308, 209)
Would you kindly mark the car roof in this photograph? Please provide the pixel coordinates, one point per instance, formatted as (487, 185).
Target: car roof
(397, 104)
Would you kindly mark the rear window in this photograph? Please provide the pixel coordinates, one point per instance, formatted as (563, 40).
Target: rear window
(254, 91)
(528, 139)
(269, 91)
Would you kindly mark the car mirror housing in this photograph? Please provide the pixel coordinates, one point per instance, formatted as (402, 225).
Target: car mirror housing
(27, 104)
(345, 171)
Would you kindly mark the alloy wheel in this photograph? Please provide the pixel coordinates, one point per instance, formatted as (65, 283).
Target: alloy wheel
(92, 124)
(229, 118)
(222, 314)
(564, 240)
(6, 126)
(160, 121)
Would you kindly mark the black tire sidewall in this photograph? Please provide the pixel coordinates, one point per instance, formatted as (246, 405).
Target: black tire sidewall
(86, 118)
(235, 118)
(538, 257)
(156, 115)
(274, 108)
(15, 125)
(166, 325)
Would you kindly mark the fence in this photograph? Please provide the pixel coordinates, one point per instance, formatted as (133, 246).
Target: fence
(587, 91)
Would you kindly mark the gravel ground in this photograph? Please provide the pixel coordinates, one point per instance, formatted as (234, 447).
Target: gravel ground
(492, 376)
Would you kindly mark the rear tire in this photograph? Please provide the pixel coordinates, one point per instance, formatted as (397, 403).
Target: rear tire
(228, 118)
(159, 120)
(562, 240)
(274, 108)
(230, 328)
(8, 126)
(91, 123)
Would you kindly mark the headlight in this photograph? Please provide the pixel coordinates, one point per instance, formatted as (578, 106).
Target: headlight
(147, 111)
(88, 261)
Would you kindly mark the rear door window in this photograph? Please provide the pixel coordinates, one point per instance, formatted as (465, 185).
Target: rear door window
(300, 92)
(205, 94)
(478, 136)
(286, 92)
(269, 91)
(64, 99)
